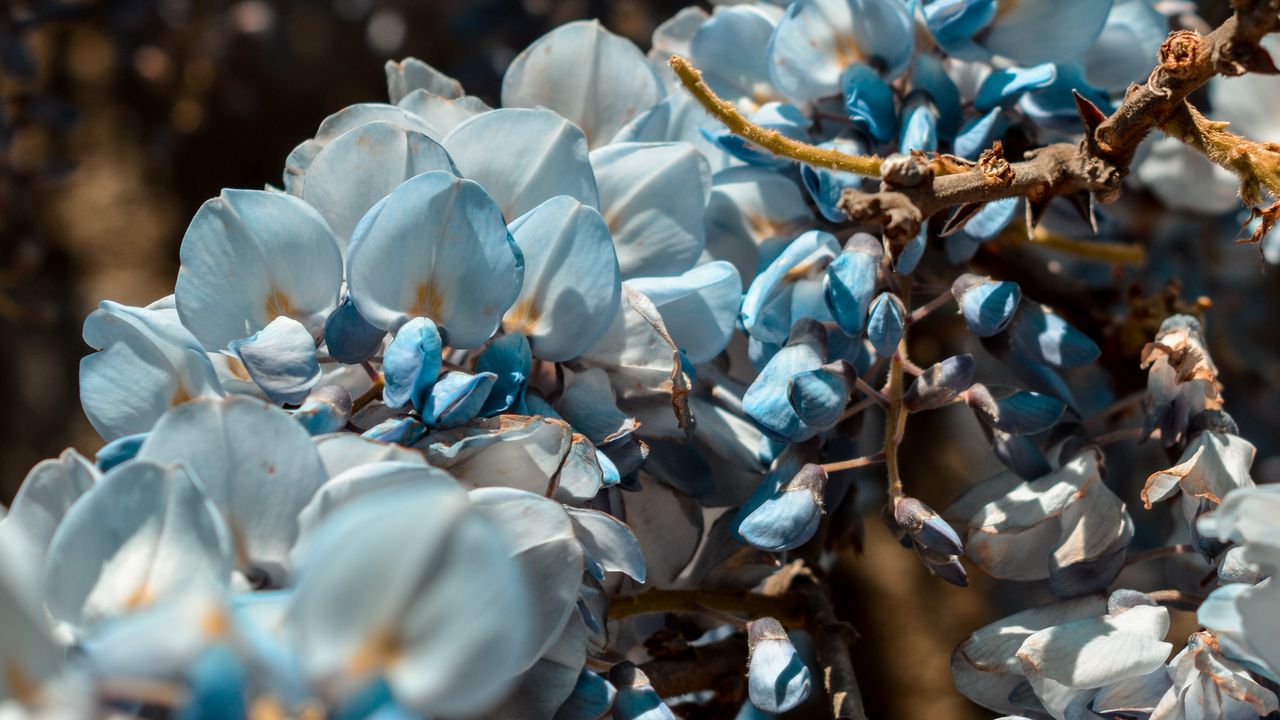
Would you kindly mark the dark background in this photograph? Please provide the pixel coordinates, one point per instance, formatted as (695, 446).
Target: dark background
(118, 119)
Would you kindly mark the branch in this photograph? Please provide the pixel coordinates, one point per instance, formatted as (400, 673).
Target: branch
(771, 140)
(787, 609)
(702, 668)
(1097, 165)
(832, 638)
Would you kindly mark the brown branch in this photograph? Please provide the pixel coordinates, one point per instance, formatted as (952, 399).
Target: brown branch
(702, 668)
(787, 609)
(1099, 163)
(832, 638)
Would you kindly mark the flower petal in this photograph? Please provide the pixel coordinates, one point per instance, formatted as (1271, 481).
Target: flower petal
(163, 540)
(249, 257)
(817, 39)
(481, 149)
(699, 307)
(254, 463)
(596, 79)
(281, 359)
(653, 197)
(572, 287)
(437, 247)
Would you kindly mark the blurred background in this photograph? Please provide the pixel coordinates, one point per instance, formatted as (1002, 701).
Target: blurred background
(118, 119)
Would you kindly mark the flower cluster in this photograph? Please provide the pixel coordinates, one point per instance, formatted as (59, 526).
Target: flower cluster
(416, 428)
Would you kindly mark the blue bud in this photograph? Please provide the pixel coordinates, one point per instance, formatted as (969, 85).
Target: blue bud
(591, 698)
(1020, 454)
(988, 305)
(401, 431)
(819, 397)
(636, 699)
(217, 687)
(1003, 87)
(869, 102)
(1040, 335)
(456, 398)
(349, 337)
(850, 282)
(1020, 413)
(777, 678)
(412, 363)
(953, 24)
(120, 450)
(325, 410)
(509, 358)
(786, 516)
(887, 323)
(941, 383)
(925, 526)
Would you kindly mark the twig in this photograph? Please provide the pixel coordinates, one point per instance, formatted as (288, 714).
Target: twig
(854, 463)
(924, 310)
(771, 140)
(895, 421)
(700, 669)
(787, 609)
(832, 638)
(1177, 598)
(1159, 552)
(871, 392)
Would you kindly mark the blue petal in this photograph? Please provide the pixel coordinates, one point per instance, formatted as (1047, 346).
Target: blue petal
(731, 50)
(819, 397)
(591, 698)
(350, 338)
(1003, 87)
(699, 307)
(1055, 106)
(509, 359)
(768, 402)
(869, 102)
(596, 79)
(919, 124)
(437, 247)
(572, 286)
(817, 39)
(1022, 413)
(481, 147)
(752, 214)
(1040, 335)
(654, 196)
(251, 256)
(217, 687)
(412, 74)
(1037, 31)
(411, 364)
(826, 186)
(886, 324)
(636, 698)
(910, 255)
(979, 132)
(325, 410)
(281, 359)
(362, 166)
(991, 220)
(120, 450)
(767, 313)
(402, 431)
(456, 398)
(940, 383)
(608, 542)
(953, 24)
(931, 77)
(850, 282)
(1122, 53)
(988, 306)
(787, 517)
(148, 363)
(777, 678)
